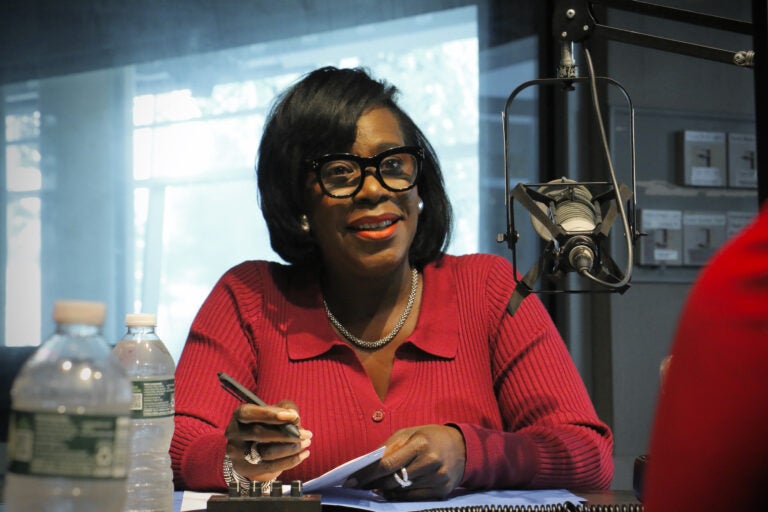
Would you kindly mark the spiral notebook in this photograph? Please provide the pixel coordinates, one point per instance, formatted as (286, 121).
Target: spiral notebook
(548, 500)
(561, 507)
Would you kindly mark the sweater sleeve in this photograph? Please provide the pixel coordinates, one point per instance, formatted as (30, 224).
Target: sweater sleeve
(216, 342)
(552, 436)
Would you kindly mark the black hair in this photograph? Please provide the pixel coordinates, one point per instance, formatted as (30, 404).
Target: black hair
(318, 115)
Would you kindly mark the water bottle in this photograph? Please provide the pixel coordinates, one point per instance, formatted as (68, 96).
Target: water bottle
(150, 368)
(69, 422)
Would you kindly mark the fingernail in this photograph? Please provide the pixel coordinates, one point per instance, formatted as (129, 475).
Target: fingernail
(287, 415)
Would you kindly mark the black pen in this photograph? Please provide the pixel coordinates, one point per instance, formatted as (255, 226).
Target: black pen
(241, 393)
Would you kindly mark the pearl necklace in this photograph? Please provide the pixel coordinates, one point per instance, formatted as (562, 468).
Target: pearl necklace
(371, 345)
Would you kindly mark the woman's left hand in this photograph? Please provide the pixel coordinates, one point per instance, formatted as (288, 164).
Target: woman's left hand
(419, 463)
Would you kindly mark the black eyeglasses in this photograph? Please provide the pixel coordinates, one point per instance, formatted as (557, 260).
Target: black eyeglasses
(341, 175)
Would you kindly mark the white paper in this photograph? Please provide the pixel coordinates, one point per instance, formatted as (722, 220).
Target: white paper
(339, 474)
(191, 500)
(460, 498)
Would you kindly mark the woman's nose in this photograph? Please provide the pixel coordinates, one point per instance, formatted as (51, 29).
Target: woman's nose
(371, 187)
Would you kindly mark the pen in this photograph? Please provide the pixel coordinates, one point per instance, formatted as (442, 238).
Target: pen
(241, 393)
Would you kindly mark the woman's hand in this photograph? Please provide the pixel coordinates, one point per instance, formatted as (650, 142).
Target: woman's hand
(430, 457)
(253, 431)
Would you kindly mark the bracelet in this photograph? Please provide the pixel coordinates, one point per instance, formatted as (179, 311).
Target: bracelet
(231, 476)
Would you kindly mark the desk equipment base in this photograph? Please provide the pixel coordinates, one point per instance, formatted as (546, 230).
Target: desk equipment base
(304, 503)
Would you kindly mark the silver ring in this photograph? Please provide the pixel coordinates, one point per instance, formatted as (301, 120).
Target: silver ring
(402, 480)
(252, 454)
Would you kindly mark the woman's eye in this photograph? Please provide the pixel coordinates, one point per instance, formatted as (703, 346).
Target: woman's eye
(339, 170)
(393, 166)
(338, 174)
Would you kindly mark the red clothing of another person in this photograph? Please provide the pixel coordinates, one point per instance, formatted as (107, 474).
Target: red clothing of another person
(708, 448)
(507, 382)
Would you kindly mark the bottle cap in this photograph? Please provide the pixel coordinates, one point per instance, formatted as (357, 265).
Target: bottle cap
(140, 320)
(79, 312)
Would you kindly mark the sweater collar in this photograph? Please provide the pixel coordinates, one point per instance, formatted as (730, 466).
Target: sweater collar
(310, 335)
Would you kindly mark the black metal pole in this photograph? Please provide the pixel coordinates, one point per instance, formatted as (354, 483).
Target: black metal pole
(760, 37)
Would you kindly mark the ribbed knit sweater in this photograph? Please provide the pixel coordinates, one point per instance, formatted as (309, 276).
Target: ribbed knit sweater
(708, 447)
(507, 382)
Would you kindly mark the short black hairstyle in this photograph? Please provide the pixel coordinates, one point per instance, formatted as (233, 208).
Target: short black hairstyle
(318, 115)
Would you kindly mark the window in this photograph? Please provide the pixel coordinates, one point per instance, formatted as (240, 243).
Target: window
(23, 184)
(191, 208)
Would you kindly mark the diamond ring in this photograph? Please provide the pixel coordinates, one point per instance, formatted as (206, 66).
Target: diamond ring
(402, 478)
(252, 454)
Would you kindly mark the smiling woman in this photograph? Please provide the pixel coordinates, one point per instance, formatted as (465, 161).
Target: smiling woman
(413, 344)
(341, 234)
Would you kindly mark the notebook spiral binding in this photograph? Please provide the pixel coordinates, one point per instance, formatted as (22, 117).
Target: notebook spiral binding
(560, 507)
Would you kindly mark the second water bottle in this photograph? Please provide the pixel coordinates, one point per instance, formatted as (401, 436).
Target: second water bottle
(150, 367)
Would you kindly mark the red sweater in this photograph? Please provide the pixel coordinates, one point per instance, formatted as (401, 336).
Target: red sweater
(507, 382)
(708, 447)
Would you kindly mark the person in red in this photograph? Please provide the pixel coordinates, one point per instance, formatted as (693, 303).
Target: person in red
(708, 447)
(371, 335)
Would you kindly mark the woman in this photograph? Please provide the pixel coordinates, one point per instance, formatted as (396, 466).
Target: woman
(373, 333)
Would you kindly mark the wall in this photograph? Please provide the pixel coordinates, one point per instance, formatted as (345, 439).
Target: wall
(632, 332)
(86, 166)
(54, 37)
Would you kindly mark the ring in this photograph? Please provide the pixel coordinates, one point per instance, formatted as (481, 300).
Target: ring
(402, 480)
(252, 454)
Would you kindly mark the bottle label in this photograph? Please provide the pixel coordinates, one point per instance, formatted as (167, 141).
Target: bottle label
(68, 445)
(152, 398)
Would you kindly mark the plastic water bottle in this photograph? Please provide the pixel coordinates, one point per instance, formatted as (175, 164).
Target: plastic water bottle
(69, 422)
(150, 367)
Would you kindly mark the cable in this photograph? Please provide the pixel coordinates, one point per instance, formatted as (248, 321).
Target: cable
(620, 204)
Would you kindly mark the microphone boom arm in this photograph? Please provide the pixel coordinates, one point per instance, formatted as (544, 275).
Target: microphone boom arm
(575, 21)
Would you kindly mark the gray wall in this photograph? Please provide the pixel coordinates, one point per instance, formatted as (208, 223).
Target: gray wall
(631, 333)
(84, 248)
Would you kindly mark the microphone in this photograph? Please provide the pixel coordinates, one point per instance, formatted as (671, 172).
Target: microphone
(574, 218)
(569, 206)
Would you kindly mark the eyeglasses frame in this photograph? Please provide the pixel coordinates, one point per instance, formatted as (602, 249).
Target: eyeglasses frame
(366, 162)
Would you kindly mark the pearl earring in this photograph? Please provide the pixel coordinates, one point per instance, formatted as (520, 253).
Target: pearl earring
(421, 206)
(304, 222)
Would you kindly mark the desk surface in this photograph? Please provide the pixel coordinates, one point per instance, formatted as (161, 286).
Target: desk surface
(625, 499)
(616, 497)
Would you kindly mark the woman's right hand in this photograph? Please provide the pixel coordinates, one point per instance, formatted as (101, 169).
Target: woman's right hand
(253, 430)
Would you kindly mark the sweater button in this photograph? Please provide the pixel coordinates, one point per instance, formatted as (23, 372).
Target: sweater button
(378, 415)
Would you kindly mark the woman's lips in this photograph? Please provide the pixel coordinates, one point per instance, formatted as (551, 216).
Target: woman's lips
(375, 229)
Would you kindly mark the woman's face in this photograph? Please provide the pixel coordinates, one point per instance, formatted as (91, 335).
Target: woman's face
(371, 232)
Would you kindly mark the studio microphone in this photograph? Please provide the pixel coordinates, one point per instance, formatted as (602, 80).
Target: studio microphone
(570, 206)
(573, 218)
